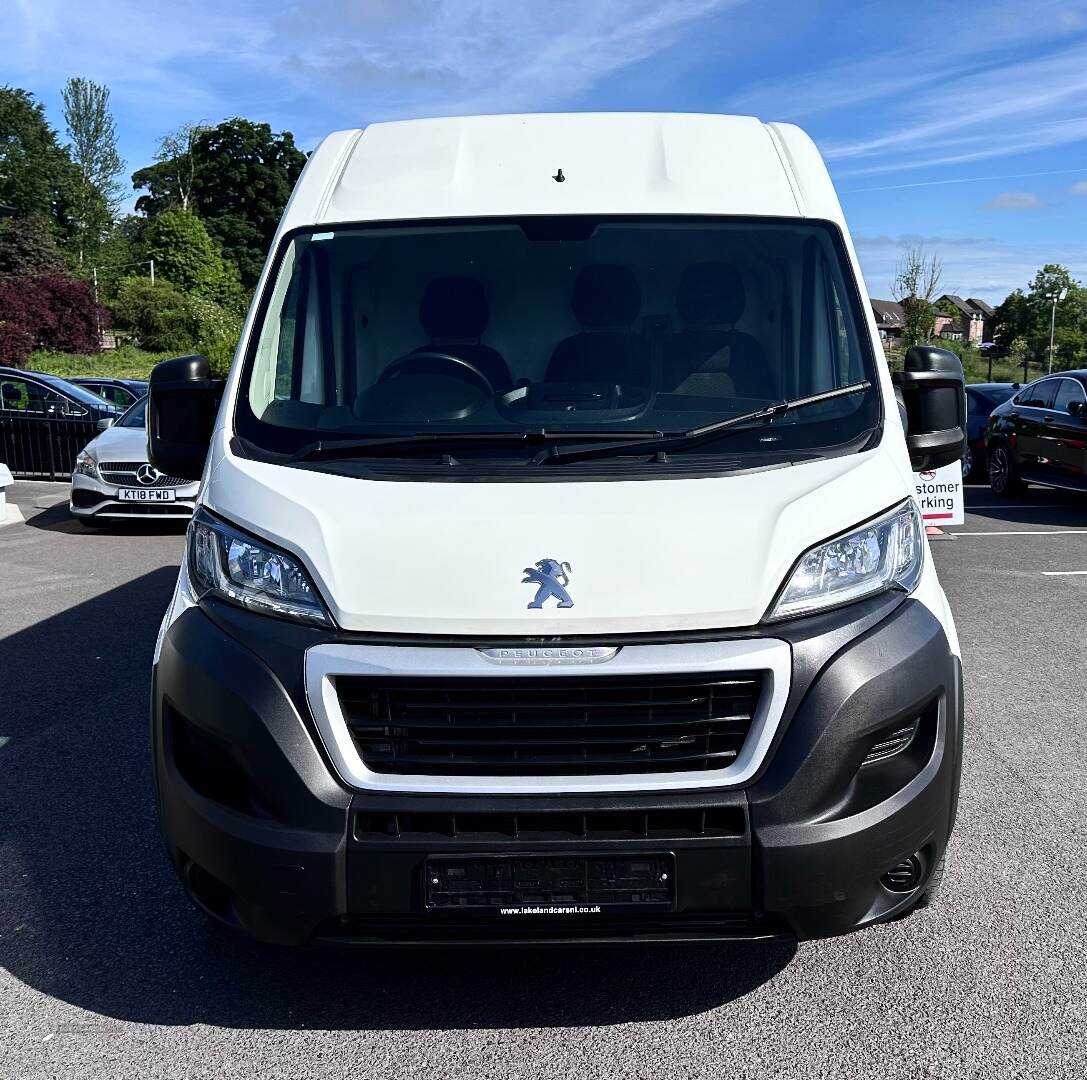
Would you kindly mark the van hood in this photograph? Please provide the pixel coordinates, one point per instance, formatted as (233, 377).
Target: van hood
(469, 559)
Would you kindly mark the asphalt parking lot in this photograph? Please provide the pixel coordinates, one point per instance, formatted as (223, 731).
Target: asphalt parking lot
(105, 970)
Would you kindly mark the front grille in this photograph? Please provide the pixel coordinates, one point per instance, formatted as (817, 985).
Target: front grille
(550, 726)
(549, 826)
(123, 474)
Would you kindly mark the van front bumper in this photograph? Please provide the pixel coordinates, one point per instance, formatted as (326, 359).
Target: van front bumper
(266, 837)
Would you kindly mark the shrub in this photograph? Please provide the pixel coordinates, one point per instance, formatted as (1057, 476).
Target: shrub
(160, 315)
(217, 335)
(20, 316)
(50, 312)
(165, 319)
(77, 321)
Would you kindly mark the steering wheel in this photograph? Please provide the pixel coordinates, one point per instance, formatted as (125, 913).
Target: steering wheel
(398, 367)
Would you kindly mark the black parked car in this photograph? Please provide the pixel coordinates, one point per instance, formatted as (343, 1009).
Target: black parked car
(981, 399)
(46, 421)
(122, 392)
(1040, 436)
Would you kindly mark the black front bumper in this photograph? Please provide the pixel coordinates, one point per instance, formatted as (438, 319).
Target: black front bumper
(264, 837)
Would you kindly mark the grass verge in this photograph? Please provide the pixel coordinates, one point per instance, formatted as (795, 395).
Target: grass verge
(127, 362)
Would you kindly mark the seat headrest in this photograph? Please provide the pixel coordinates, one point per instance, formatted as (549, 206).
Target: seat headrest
(711, 294)
(606, 295)
(454, 307)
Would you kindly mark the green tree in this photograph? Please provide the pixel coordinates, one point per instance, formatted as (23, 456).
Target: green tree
(1028, 316)
(159, 315)
(37, 177)
(165, 319)
(28, 249)
(916, 284)
(185, 254)
(1014, 319)
(242, 174)
(93, 148)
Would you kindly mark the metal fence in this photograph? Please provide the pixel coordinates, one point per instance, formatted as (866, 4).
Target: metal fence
(43, 447)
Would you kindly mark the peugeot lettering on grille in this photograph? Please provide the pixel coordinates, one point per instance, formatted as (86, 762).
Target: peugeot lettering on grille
(550, 655)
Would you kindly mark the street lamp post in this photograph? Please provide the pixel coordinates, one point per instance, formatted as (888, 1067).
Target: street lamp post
(1054, 298)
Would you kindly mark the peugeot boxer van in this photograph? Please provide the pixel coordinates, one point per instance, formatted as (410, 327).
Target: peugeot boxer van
(554, 573)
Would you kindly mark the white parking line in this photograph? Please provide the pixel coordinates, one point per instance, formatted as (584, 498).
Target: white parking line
(1017, 506)
(1064, 573)
(1026, 532)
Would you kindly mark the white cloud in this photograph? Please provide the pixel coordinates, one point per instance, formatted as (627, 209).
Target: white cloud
(1014, 200)
(347, 60)
(1007, 109)
(1015, 81)
(1078, 188)
(972, 266)
(425, 58)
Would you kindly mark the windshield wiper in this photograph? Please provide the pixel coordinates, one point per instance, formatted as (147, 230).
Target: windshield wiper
(334, 448)
(742, 422)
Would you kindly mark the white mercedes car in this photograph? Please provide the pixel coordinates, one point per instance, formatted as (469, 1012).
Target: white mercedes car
(113, 479)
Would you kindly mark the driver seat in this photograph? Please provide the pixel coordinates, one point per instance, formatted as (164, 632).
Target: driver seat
(454, 313)
(710, 357)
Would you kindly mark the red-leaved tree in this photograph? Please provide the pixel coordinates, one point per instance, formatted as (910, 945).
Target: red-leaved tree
(54, 312)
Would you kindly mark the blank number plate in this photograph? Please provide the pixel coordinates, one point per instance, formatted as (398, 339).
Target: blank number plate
(515, 885)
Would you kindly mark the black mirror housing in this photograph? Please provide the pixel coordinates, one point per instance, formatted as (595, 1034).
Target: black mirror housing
(932, 389)
(182, 403)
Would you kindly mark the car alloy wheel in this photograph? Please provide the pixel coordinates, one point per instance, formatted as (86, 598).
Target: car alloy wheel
(1003, 474)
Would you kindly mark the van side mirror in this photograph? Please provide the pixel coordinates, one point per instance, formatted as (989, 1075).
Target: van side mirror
(182, 403)
(932, 389)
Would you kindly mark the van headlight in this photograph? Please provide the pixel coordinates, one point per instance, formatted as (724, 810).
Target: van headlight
(86, 464)
(881, 554)
(226, 562)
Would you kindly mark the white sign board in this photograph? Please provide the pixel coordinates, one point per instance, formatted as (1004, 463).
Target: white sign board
(940, 495)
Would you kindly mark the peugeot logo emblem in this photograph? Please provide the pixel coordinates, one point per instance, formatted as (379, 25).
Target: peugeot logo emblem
(147, 474)
(551, 578)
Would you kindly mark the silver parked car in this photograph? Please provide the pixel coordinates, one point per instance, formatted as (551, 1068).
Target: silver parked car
(113, 479)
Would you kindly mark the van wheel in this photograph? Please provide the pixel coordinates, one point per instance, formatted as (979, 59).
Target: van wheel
(1004, 478)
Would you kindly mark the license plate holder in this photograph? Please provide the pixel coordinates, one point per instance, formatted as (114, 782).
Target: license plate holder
(556, 884)
(146, 495)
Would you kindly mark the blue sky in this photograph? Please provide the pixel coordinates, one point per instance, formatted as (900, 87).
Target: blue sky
(961, 125)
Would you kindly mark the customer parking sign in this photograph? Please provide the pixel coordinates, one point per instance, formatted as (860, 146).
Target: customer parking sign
(940, 495)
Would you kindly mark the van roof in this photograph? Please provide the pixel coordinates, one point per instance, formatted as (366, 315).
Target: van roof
(611, 163)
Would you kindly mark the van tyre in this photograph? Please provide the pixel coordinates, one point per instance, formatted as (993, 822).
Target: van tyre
(1004, 478)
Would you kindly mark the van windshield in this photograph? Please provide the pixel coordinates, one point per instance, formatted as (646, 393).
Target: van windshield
(555, 329)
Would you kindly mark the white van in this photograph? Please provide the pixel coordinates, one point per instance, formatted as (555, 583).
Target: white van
(555, 572)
